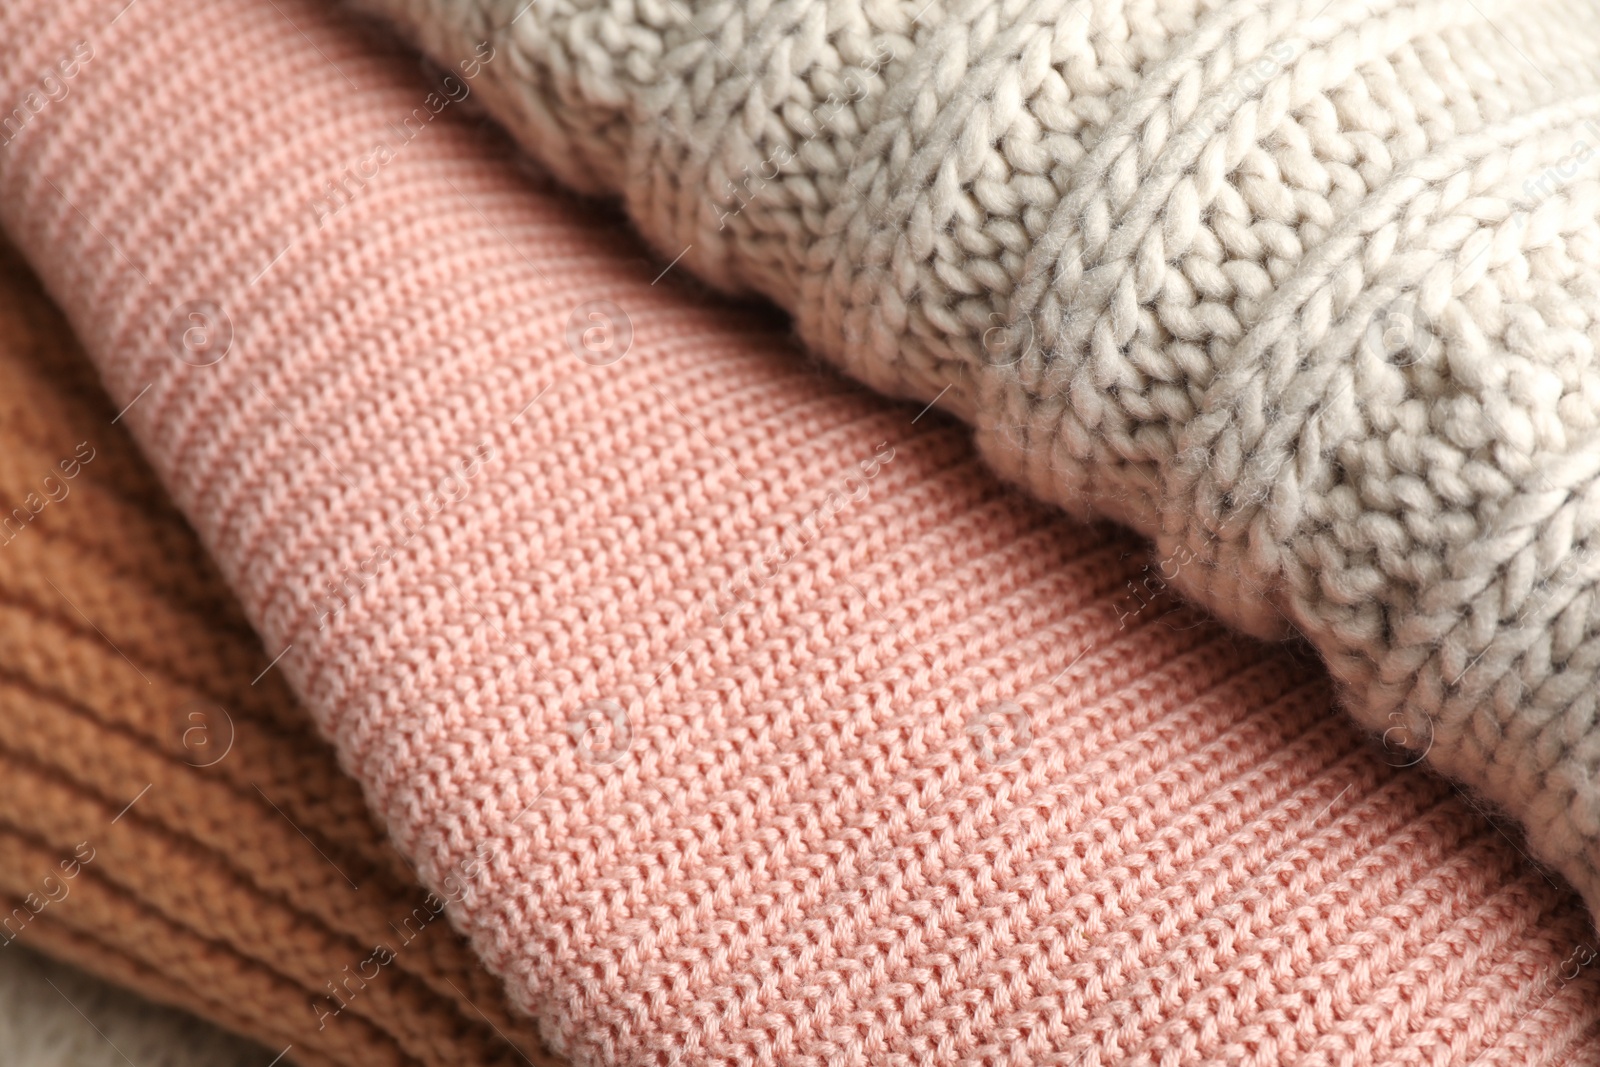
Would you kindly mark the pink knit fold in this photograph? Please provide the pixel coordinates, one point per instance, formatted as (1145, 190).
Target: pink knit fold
(741, 715)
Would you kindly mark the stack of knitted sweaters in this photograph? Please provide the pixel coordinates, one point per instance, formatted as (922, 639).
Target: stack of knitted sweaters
(1307, 291)
(735, 715)
(167, 818)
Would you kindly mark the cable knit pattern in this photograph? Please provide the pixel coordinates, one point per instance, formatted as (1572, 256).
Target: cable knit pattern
(760, 724)
(1307, 291)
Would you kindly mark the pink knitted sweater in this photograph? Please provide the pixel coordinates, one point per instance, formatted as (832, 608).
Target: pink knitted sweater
(742, 717)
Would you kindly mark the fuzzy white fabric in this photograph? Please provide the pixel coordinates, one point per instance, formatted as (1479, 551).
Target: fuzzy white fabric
(54, 1016)
(1308, 291)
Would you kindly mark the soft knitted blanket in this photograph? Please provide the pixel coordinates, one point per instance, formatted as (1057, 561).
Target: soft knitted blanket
(743, 715)
(168, 818)
(1307, 291)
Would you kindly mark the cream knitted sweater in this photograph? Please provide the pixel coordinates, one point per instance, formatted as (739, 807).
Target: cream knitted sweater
(1308, 291)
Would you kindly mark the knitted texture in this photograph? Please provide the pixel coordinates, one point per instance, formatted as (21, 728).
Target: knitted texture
(750, 719)
(1307, 291)
(165, 823)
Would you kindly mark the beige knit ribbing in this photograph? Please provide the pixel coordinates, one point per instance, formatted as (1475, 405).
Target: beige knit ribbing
(1308, 291)
(232, 869)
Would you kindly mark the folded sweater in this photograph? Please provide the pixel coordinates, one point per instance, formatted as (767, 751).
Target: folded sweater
(1307, 291)
(169, 819)
(743, 716)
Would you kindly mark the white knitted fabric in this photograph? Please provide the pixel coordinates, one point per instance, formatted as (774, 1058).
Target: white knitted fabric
(1308, 291)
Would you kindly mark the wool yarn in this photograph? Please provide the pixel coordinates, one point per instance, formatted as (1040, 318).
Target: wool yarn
(169, 820)
(752, 721)
(1306, 291)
